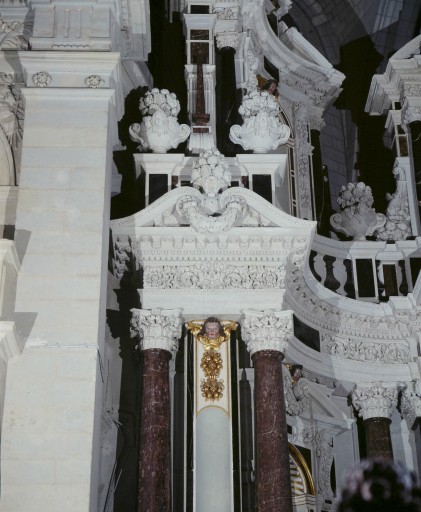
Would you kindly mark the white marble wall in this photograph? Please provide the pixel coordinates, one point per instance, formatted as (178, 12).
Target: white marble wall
(52, 417)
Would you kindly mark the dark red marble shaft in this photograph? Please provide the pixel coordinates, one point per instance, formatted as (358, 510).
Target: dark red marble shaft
(377, 434)
(273, 481)
(154, 471)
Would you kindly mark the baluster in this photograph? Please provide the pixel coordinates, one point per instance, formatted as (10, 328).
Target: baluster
(330, 282)
(403, 288)
(380, 283)
(349, 287)
(313, 254)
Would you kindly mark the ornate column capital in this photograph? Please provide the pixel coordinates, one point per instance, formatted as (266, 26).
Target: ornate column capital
(266, 330)
(410, 114)
(411, 402)
(158, 328)
(224, 39)
(375, 399)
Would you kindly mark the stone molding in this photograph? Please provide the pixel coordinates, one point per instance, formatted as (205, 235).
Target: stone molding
(411, 402)
(375, 399)
(157, 328)
(266, 330)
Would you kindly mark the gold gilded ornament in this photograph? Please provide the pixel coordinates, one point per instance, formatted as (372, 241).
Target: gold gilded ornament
(211, 333)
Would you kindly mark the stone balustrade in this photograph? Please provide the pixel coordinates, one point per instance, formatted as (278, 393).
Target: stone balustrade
(365, 270)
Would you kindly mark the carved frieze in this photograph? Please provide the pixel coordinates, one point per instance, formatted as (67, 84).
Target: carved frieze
(157, 328)
(366, 351)
(226, 12)
(266, 330)
(214, 275)
(375, 399)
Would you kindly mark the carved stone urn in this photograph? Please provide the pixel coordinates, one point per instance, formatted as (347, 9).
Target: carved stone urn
(159, 130)
(262, 130)
(357, 219)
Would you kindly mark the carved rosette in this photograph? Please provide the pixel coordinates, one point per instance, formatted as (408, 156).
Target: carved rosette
(266, 330)
(411, 402)
(41, 79)
(157, 328)
(375, 399)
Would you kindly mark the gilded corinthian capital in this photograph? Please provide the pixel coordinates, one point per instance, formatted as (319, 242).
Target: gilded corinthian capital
(266, 330)
(157, 328)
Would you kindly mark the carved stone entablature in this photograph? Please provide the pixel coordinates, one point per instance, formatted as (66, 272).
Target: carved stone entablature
(296, 394)
(224, 39)
(266, 330)
(213, 275)
(364, 350)
(156, 328)
(375, 399)
(411, 402)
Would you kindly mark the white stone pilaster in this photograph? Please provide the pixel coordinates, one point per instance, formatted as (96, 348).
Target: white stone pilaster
(375, 399)
(266, 330)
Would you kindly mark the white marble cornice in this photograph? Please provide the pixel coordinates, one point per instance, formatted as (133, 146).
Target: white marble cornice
(266, 330)
(157, 328)
(375, 399)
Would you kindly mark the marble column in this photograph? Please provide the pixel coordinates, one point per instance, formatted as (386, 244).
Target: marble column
(226, 90)
(159, 331)
(375, 402)
(266, 334)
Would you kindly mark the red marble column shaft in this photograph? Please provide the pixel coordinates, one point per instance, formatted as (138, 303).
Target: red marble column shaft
(378, 439)
(154, 470)
(273, 480)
